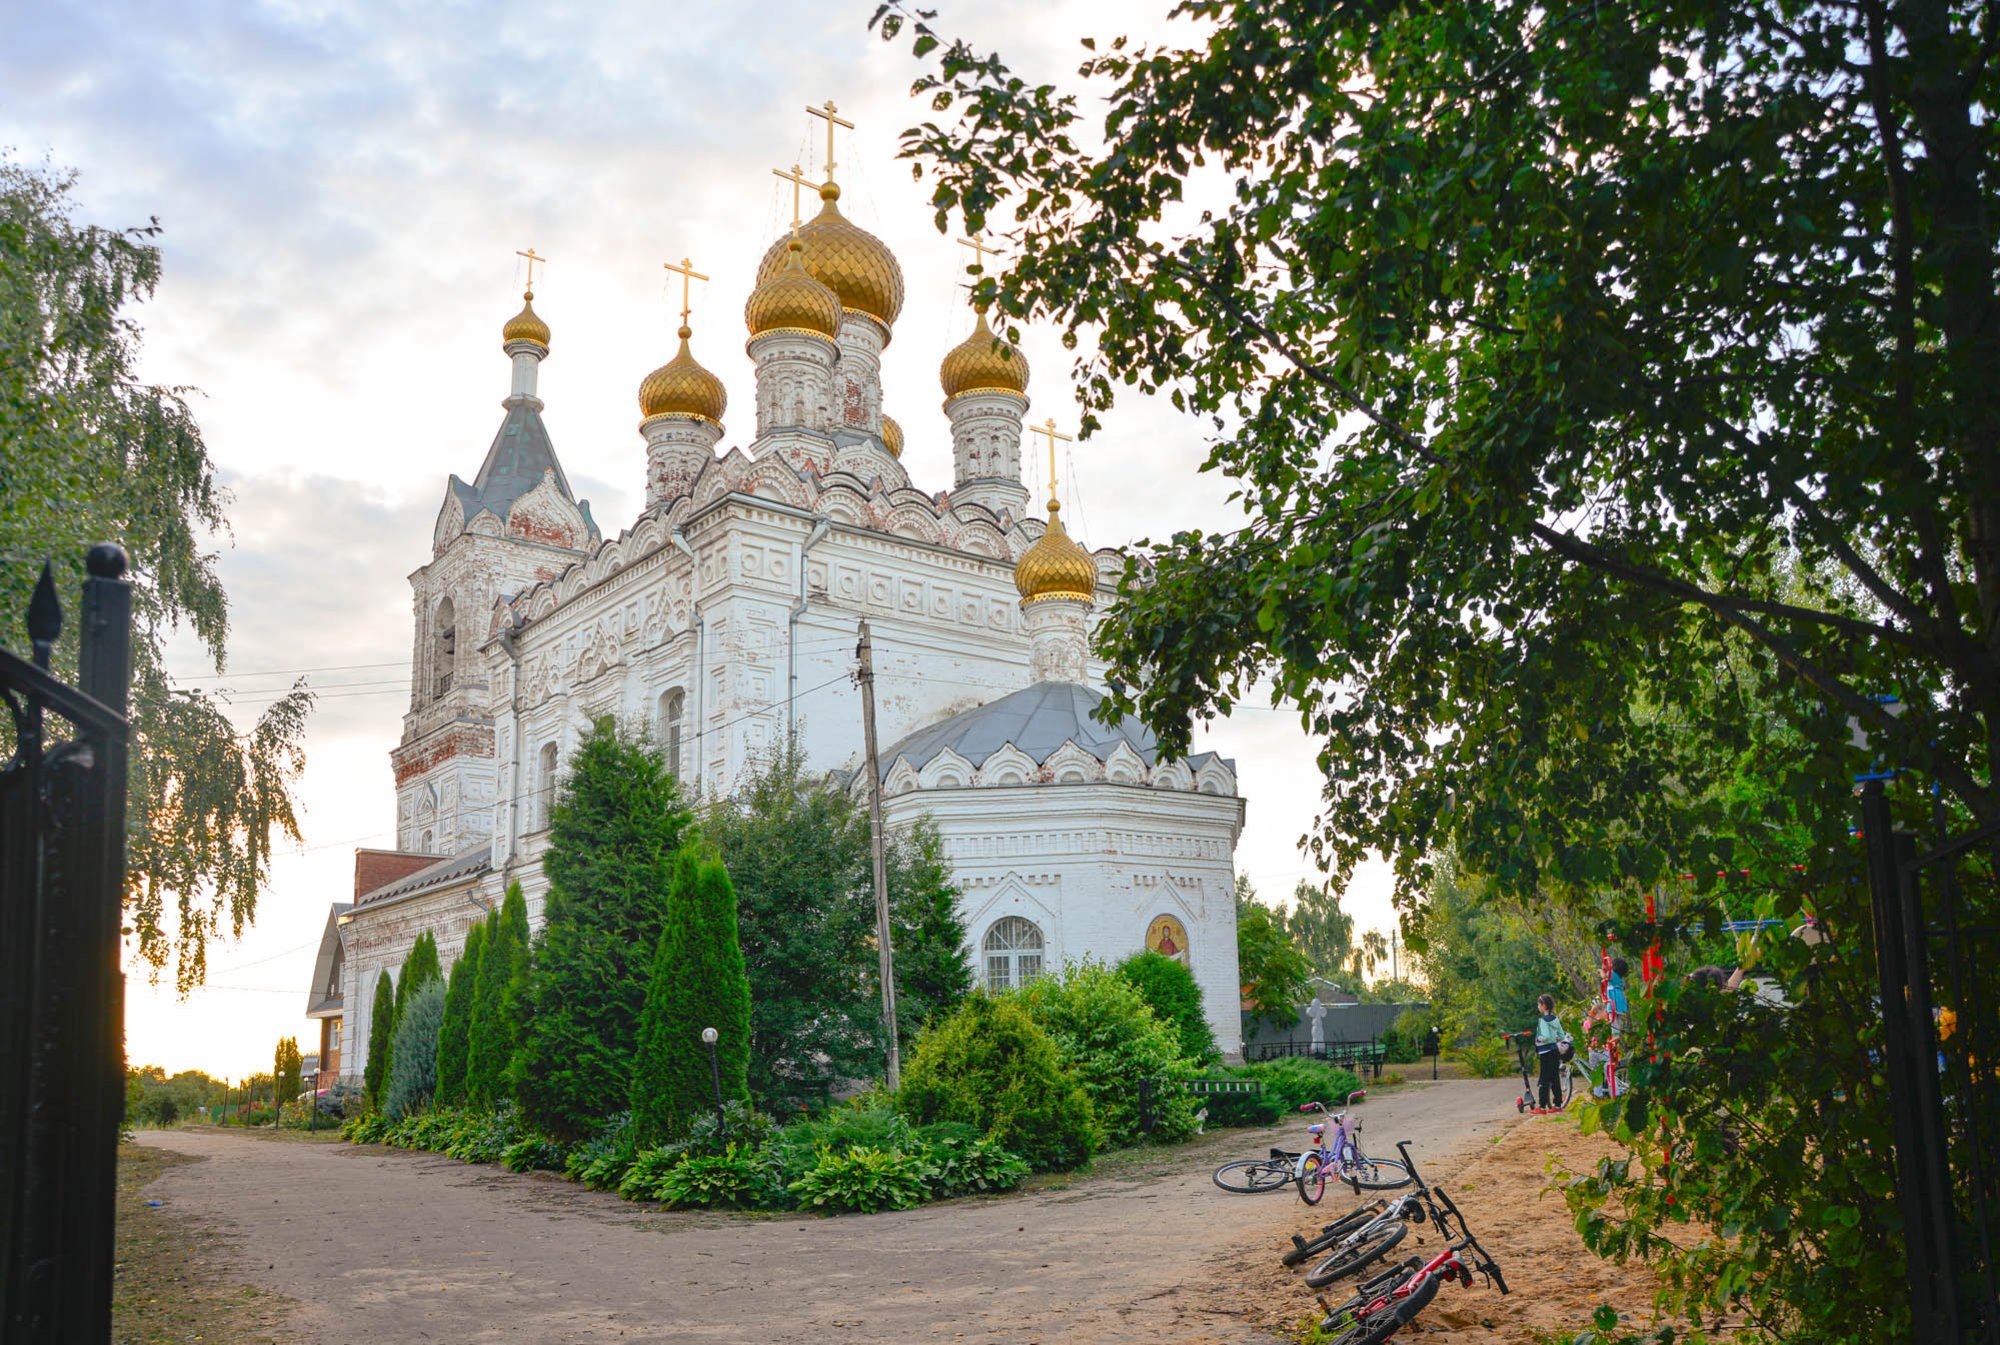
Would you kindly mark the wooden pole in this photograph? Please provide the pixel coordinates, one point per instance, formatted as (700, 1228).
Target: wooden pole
(885, 949)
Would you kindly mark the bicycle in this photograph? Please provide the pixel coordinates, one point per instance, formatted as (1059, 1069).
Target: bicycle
(1343, 1153)
(1359, 1244)
(1524, 1046)
(1391, 1301)
(1250, 1176)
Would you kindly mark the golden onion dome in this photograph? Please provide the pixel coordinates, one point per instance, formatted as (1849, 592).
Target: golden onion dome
(681, 387)
(792, 300)
(526, 325)
(892, 436)
(1056, 566)
(847, 259)
(983, 362)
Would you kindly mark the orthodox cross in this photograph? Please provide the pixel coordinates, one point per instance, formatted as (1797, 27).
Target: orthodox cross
(833, 119)
(798, 180)
(532, 259)
(684, 268)
(980, 251)
(1054, 434)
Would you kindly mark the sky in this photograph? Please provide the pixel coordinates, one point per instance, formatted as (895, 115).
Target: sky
(343, 191)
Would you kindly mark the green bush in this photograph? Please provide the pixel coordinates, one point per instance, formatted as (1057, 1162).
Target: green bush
(965, 1164)
(1293, 1080)
(988, 1064)
(1406, 1036)
(870, 1120)
(534, 1153)
(593, 1161)
(864, 1180)
(484, 1137)
(1110, 1040)
(741, 1177)
(1170, 991)
(413, 1059)
(455, 1032)
(1486, 1057)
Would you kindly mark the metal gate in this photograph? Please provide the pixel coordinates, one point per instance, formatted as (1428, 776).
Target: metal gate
(62, 880)
(1937, 948)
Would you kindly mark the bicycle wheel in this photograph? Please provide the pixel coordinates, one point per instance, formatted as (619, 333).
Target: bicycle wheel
(1312, 1178)
(1303, 1249)
(1394, 1316)
(1253, 1175)
(1357, 1255)
(1373, 1174)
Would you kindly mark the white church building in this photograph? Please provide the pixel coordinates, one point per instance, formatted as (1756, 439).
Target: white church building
(725, 618)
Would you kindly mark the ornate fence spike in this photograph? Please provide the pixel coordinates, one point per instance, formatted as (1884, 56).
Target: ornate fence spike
(44, 616)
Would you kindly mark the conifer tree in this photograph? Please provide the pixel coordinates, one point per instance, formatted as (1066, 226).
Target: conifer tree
(455, 1031)
(381, 1031)
(698, 982)
(413, 1064)
(420, 968)
(487, 1037)
(932, 971)
(615, 828)
(287, 1066)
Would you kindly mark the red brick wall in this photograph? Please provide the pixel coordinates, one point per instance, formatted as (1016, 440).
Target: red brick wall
(377, 868)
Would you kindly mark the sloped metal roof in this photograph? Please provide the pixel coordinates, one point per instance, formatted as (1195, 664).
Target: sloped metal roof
(521, 452)
(469, 864)
(1037, 720)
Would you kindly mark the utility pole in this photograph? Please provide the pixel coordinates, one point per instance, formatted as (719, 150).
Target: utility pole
(885, 950)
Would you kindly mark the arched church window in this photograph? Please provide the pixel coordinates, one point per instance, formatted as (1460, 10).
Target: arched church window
(444, 648)
(673, 714)
(424, 843)
(1012, 951)
(545, 786)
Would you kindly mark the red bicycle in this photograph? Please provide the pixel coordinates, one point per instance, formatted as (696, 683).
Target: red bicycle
(1391, 1301)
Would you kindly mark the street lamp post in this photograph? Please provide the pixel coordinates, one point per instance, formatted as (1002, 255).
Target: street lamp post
(708, 1035)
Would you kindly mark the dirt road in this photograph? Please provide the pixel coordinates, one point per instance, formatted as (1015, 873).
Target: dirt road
(378, 1245)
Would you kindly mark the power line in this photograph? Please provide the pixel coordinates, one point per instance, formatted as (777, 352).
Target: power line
(289, 672)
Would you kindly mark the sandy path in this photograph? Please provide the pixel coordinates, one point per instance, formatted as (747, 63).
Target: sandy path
(383, 1245)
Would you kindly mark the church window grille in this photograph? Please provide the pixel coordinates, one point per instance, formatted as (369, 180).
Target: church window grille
(673, 715)
(444, 649)
(1012, 951)
(545, 791)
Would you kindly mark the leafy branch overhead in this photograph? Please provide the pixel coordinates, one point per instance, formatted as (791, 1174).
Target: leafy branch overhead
(1571, 362)
(90, 453)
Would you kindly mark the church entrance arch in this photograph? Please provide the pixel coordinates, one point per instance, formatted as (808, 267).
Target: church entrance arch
(1011, 953)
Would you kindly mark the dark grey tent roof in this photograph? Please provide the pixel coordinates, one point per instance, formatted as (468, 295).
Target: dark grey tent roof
(521, 452)
(1037, 720)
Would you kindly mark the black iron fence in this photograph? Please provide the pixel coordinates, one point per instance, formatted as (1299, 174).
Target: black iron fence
(62, 878)
(1153, 1091)
(1937, 946)
(1355, 1055)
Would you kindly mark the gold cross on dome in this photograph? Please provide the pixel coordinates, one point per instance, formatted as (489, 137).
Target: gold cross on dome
(684, 268)
(831, 114)
(1049, 428)
(532, 259)
(979, 251)
(799, 181)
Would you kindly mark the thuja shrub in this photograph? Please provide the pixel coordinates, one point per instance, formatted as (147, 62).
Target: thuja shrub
(989, 1065)
(1170, 991)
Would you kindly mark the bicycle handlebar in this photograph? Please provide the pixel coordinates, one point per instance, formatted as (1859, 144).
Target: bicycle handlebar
(1403, 1148)
(1484, 1259)
(1312, 1106)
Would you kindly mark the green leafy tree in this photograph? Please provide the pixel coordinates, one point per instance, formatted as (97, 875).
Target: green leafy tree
(455, 1030)
(615, 829)
(1321, 929)
(1173, 995)
(933, 973)
(499, 1003)
(421, 966)
(91, 453)
(797, 851)
(1484, 967)
(413, 1061)
(1273, 969)
(1638, 331)
(698, 982)
(381, 1032)
(287, 1067)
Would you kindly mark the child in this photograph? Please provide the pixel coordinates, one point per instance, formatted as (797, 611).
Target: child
(1549, 1038)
